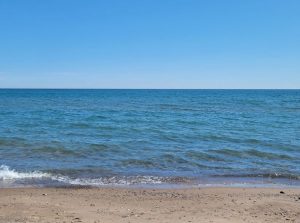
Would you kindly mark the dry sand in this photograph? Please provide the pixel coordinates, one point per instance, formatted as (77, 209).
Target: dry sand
(138, 205)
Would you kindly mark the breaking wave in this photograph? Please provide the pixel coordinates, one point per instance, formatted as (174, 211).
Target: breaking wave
(9, 174)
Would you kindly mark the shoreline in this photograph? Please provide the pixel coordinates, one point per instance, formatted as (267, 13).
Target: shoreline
(107, 204)
(187, 183)
(165, 187)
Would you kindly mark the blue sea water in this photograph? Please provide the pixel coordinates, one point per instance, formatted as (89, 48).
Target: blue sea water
(149, 137)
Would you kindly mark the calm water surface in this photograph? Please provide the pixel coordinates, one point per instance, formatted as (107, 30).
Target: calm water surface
(149, 137)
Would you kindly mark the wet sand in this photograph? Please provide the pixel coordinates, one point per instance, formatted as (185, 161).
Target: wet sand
(139, 205)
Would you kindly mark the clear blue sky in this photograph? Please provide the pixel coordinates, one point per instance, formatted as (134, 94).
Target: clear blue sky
(150, 44)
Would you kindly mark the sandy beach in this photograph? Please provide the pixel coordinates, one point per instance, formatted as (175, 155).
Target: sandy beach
(149, 205)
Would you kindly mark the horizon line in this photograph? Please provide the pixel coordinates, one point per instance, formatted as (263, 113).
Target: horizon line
(16, 88)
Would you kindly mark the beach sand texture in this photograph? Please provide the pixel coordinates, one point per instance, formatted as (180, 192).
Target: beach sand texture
(149, 205)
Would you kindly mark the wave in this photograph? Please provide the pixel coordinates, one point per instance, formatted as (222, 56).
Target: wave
(9, 174)
(55, 151)
(12, 178)
(124, 180)
(13, 142)
(110, 181)
(289, 176)
(252, 153)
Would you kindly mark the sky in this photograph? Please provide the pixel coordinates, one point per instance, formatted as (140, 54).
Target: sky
(150, 44)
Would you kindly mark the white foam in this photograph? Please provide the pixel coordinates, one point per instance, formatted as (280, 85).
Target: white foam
(9, 174)
(103, 181)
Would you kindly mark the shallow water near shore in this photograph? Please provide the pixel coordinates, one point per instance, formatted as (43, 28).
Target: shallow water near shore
(149, 137)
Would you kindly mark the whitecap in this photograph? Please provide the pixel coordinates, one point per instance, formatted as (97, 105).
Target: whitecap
(10, 174)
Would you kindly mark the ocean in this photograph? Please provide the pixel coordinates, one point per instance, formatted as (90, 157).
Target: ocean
(160, 138)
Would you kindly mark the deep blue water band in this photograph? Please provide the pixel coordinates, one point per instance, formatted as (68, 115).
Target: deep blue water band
(96, 137)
